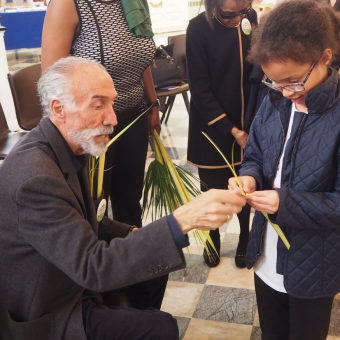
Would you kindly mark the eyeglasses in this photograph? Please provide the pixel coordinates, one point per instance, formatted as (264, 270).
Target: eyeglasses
(293, 87)
(232, 15)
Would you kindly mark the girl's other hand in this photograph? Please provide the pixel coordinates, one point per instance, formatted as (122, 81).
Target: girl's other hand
(267, 201)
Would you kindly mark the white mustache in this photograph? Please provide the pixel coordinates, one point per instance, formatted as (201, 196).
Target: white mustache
(102, 130)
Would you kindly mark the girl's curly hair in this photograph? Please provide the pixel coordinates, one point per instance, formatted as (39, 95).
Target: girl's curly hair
(299, 30)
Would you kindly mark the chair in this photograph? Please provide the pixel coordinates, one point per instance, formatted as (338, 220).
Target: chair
(23, 83)
(169, 96)
(7, 138)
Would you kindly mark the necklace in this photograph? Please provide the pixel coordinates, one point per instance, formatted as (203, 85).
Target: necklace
(225, 24)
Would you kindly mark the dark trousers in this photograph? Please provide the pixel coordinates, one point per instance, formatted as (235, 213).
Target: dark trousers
(129, 314)
(283, 317)
(125, 165)
(218, 179)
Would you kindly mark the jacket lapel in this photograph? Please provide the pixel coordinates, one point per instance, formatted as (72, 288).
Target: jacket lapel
(63, 160)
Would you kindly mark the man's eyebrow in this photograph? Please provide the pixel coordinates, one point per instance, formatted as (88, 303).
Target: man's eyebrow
(96, 96)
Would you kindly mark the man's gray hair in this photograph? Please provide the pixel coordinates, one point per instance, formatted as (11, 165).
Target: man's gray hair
(55, 82)
(212, 5)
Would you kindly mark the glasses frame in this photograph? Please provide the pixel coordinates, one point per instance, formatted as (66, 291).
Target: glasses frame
(286, 87)
(234, 15)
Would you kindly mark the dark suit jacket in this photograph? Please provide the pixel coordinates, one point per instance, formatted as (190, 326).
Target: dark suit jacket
(49, 245)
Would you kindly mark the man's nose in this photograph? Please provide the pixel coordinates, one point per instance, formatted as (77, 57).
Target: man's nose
(110, 118)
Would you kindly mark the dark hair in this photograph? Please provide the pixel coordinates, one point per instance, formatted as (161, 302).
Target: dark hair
(297, 30)
(212, 5)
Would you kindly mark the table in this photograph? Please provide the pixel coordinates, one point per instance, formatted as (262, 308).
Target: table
(23, 28)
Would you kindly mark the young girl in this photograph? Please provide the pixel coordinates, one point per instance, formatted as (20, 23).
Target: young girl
(291, 168)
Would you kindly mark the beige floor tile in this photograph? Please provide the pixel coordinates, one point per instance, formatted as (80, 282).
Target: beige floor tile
(337, 297)
(228, 275)
(256, 319)
(214, 330)
(181, 298)
(332, 337)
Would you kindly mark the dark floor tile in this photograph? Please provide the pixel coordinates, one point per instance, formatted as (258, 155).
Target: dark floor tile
(187, 166)
(229, 245)
(256, 333)
(226, 304)
(195, 272)
(183, 324)
(334, 327)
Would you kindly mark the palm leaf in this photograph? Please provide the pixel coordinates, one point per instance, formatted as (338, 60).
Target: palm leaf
(167, 187)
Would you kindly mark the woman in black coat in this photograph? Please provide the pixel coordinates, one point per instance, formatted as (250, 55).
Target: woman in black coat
(217, 45)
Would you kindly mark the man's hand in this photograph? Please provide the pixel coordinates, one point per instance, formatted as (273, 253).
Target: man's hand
(154, 121)
(240, 136)
(248, 183)
(267, 201)
(209, 210)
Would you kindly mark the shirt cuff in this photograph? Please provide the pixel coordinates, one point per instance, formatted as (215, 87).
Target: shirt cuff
(181, 240)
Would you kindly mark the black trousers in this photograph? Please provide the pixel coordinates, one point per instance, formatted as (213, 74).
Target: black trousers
(131, 313)
(125, 165)
(218, 179)
(283, 317)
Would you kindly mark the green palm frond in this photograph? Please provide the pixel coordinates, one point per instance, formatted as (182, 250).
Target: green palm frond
(167, 187)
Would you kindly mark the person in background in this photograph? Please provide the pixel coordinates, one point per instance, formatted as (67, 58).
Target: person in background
(118, 35)
(56, 258)
(291, 169)
(217, 46)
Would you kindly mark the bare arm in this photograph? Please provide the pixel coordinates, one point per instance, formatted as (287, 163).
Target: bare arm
(150, 95)
(61, 22)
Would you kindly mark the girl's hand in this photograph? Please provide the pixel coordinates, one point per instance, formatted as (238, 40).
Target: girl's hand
(248, 183)
(267, 201)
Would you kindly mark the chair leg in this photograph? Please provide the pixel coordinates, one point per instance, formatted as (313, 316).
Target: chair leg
(166, 106)
(170, 108)
(186, 100)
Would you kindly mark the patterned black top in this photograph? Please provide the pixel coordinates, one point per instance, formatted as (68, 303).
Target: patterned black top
(104, 37)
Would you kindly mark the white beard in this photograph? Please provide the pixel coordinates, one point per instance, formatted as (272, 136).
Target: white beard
(85, 139)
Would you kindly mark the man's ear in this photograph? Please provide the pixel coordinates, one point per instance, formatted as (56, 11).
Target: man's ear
(57, 110)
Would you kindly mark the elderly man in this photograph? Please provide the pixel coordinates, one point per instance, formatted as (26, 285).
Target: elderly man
(54, 255)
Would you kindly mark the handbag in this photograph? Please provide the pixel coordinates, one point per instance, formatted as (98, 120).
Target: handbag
(165, 69)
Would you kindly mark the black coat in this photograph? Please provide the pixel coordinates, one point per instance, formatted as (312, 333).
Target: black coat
(219, 85)
(309, 211)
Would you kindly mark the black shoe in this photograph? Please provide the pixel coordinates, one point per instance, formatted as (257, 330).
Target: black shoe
(240, 260)
(211, 260)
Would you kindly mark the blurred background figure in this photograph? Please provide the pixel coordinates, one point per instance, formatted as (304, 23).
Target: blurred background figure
(217, 46)
(263, 7)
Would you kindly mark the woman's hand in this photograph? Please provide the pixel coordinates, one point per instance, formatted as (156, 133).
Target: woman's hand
(267, 201)
(248, 183)
(240, 136)
(154, 121)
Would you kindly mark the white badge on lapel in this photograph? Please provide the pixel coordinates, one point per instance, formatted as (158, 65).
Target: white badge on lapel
(246, 26)
(101, 209)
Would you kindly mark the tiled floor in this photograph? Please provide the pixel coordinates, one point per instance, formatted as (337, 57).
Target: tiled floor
(216, 303)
